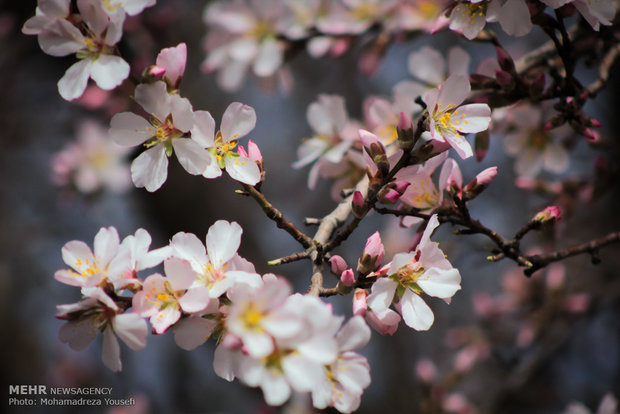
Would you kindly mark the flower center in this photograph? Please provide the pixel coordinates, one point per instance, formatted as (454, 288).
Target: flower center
(538, 139)
(408, 275)
(252, 317)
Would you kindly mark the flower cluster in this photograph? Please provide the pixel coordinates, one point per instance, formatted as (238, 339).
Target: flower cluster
(267, 337)
(255, 34)
(91, 35)
(173, 126)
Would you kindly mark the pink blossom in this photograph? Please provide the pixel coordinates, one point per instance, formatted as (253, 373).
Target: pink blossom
(238, 120)
(172, 61)
(347, 278)
(162, 134)
(99, 313)
(424, 270)
(338, 265)
(448, 120)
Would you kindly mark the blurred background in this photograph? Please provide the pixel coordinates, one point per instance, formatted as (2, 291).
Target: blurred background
(548, 346)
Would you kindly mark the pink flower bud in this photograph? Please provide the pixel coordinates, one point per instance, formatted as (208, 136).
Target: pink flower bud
(391, 196)
(368, 138)
(481, 182)
(358, 204)
(156, 71)
(426, 370)
(359, 302)
(503, 78)
(404, 122)
(347, 278)
(591, 135)
(550, 214)
(338, 264)
(577, 303)
(504, 59)
(595, 123)
(374, 248)
(401, 186)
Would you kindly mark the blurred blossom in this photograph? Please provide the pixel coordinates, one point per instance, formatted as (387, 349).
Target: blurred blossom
(93, 162)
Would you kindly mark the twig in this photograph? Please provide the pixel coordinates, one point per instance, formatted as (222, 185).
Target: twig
(277, 216)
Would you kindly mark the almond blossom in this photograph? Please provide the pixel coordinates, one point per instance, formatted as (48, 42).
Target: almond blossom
(99, 313)
(163, 298)
(218, 266)
(596, 12)
(238, 120)
(333, 135)
(172, 61)
(347, 377)
(243, 36)
(131, 7)
(422, 193)
(409, 274)
(171, 118)
(535, 148)
(88, 268)
(353, 16)
(47, 12)
(430, 69)
(297, 362)
(92, 162)
(470, 16)
(95, 48)
(448, 120)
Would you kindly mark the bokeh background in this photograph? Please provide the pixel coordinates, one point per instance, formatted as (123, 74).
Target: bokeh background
(578, 361)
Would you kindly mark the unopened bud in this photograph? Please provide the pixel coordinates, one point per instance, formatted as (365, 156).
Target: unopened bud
(386, 322)
(480, 183)
(401, 186)
(372, 256)
(347, 278)
(591, 135)
(505, 60)
(504, 79)
(338, 265)
(357, 204)
(388, 195)
(405, 132)
(549, 215)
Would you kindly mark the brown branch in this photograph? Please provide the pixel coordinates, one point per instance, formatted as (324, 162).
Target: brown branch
(277, 216)
(590, 247)
(603, 74)
(290, 258)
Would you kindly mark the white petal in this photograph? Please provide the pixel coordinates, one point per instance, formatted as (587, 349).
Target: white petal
(154, 98)
(195, 299)
(106, 245)
(440, 283)
(180, 273)
(428, 65)
(382, 294)
(203, 131)
(182, 115)
(109, 71)
(111, 354)
(129, 129)
(190, 333)
(132, 329)
(275, 389)
(223, 240)
(354, 334)
(243, 170)
(150, 169)
(75, 79)
(473, 118)
(416, 313)
(555, 158)
(268, 59)
(61, 38)
(189, 247)
(514, 17)
(238, 120)
(78, 334)
(191, 155)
